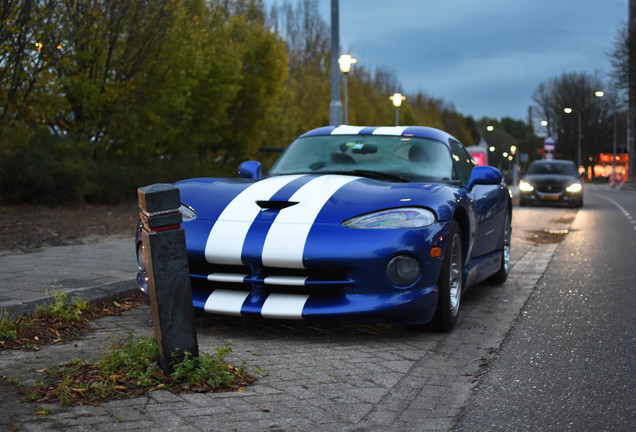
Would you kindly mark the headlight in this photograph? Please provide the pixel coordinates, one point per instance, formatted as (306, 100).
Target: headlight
(574, 187)
(187, 213)
(525, 186)
(408, 217)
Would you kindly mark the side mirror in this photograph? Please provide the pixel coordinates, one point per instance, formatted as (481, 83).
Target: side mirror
(484, 175)
(250, 170)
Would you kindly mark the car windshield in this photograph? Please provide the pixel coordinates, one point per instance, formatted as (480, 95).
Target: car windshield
(553, 168)
(398, 157)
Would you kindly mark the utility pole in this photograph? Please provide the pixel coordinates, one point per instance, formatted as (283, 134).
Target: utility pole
(631, 112)
(335, 107)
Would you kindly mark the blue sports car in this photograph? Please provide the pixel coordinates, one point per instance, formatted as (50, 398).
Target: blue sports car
(381, 224)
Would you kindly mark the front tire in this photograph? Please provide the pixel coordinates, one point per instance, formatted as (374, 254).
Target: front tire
(450, 281)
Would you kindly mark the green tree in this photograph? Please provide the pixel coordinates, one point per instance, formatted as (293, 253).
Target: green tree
(261, 81)
(28, 52)
(118, 93)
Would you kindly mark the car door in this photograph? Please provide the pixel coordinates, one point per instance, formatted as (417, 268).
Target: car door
(487, 201)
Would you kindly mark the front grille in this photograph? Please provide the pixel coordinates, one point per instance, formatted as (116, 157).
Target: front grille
(551, 189)
(280, 280)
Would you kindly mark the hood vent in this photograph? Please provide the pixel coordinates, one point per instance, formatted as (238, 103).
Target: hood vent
(275, 205)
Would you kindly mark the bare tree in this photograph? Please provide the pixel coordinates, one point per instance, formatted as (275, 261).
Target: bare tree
(577, 91)
(304, 30)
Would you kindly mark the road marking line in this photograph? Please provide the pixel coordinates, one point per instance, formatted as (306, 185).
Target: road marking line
(622, 209)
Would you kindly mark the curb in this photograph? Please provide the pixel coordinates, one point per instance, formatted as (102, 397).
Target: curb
(93, 295)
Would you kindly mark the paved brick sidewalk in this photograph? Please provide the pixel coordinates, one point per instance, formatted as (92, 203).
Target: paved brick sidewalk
(315, 378)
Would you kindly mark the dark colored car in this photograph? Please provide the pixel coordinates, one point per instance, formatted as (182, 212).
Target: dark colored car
(551, 182)
(352, 223)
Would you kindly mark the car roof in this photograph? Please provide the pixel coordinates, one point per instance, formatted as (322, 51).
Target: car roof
(414, 131)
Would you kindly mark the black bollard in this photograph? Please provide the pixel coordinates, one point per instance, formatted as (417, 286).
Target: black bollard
(169, 286)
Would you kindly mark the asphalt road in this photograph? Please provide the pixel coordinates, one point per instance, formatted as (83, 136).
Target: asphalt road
(569, 364)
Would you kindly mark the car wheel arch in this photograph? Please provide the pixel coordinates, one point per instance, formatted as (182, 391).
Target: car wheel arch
(463, 221)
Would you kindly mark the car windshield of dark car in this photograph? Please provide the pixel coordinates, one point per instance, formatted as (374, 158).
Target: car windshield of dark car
(553, 168)
(406, 157)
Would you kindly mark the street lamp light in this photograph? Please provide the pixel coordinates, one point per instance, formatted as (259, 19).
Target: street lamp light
(570, 111)
(345, 62)
(513, 153)
(546, 124)
(397, 99)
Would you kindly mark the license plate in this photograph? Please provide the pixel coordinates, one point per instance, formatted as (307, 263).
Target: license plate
(550, 197)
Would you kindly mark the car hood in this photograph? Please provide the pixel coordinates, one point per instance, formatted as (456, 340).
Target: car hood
(550, 178)
(302, 198)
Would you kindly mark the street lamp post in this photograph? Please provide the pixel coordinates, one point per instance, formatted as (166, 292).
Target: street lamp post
(600, 94)
(482, 135)
(397, 99)
(515, 165)
(570, 111)
(335, 106)
(346, 61)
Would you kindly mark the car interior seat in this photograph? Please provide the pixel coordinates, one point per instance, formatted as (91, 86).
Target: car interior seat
(417, 154)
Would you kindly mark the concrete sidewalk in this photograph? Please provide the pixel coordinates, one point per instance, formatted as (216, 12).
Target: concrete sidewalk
(96, 272)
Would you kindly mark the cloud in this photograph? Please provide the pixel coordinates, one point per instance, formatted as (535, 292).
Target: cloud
(484, 56)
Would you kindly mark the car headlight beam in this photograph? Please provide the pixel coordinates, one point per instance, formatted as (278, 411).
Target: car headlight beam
(574, 187)
(525, 186)
(398, 218)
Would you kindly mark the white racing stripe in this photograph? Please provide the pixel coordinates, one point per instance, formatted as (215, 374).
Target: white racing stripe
(225, 242)
(284, 306)
(226, 302)
(227, 277)
(346, 130)
(285, 241)
(285, 280)
(389, 130)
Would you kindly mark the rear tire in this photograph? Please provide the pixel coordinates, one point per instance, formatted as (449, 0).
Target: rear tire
(502, 274)
(450, 281)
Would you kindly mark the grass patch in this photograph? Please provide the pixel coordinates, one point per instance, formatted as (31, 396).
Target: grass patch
(60, 321)
(127, 368)
(130, 369)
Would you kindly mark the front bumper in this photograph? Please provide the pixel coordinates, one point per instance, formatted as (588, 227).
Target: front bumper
(344, 278)
(412, 306)
(564, 197)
